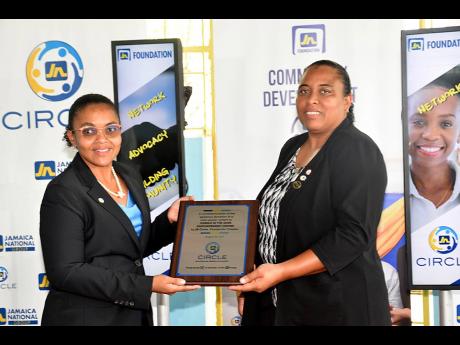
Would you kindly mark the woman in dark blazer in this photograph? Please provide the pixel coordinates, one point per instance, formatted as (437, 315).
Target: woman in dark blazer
(317, 262)
(95, 229)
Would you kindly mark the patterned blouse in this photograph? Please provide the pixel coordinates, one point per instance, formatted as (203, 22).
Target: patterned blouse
(268, 212)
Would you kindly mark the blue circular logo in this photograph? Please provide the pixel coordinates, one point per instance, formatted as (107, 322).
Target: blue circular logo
(54, 70)
(235, 321)
(212, 247)
(443, 240)
(3, 274)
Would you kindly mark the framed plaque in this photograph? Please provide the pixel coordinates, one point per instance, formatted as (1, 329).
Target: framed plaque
(215, 241)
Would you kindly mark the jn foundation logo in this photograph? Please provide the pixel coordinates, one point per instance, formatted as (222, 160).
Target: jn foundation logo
(415, 44)
(124, 54)
(212, 247)
(43, 282)
(54, 70)
(443, 240)
(308, 39)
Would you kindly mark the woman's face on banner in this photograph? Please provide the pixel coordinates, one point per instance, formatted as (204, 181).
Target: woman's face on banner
(433, 133)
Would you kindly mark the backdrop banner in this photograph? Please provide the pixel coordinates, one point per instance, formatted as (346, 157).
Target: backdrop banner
(431, 126)
(258, 66)
(50, 63)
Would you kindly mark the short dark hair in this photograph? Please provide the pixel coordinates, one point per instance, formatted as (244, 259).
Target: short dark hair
(81, 103)
(342, 72)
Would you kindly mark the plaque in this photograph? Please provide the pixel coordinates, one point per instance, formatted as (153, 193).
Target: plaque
(215, 241)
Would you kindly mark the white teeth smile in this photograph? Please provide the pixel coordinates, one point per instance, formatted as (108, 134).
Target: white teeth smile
(429, 149)
(312, 113)
(102, 150)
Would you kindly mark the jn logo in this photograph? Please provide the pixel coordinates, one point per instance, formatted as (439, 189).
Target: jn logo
(416, 44)
(235, 321)
(124, 54)
(3, 274)
(308, 39)
(45, 170)
(56, 70)
(43, 282)
(2, 316)
(443, 240)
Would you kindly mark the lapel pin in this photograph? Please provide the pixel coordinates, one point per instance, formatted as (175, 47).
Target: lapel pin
(296, 184)
(100, 200)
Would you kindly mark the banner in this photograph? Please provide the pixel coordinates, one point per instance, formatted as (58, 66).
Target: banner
(431, 110)
(49, 64)
(149, 93)
(258, 67)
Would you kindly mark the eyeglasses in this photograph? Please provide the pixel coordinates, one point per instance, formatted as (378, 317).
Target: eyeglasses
(110, 131)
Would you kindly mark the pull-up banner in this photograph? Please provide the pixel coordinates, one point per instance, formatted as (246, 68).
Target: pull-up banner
(431, 122)
(148, 81)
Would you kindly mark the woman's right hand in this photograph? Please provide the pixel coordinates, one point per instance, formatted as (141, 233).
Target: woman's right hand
(169, 286)
(173, 211)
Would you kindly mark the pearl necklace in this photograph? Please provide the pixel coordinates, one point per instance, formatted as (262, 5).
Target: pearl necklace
(120, 193)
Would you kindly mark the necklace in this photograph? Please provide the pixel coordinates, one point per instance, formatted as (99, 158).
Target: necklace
(120, 193)
(300, 173)
(445, 196)
(297, 169)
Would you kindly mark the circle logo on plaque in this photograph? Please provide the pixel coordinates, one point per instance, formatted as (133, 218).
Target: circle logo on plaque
(212, 247)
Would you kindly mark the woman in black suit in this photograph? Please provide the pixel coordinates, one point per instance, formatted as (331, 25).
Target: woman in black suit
(317, 262)
(95, 229)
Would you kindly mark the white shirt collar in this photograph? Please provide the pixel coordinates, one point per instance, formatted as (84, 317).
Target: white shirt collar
(455, 193)
(423, 211)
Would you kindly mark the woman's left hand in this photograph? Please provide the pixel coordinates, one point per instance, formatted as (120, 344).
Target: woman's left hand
(263, 277)
(173, 211)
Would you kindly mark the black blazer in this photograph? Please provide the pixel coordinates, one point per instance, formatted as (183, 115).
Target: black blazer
(92, 255)
(335, 213)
